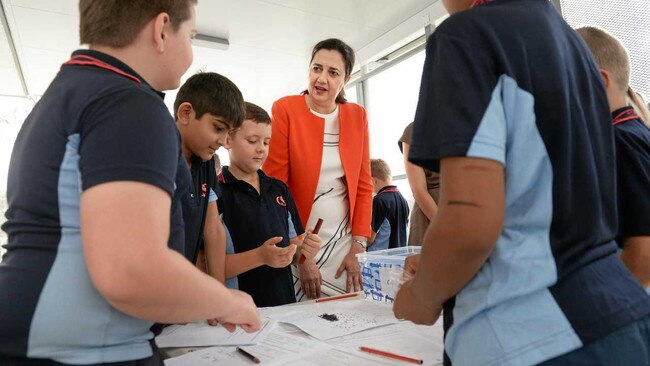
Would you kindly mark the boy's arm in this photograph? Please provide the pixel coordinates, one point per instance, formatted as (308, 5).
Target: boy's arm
(266, 254)
(239, 263)
(125, 232)
(636, 256)
(214, 237)
(461, 236)
(298, 243)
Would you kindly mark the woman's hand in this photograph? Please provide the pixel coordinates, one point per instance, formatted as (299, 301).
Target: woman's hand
(350, 265)
(310, 279)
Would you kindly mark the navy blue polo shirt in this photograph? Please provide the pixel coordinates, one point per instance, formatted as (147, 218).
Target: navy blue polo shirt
(511, 82)
(95, 124)
(633, 169)
(203, 188)
(390, 216)
(251, 218)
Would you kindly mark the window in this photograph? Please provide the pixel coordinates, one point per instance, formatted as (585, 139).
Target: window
(392, 97)
(626, 20)
(351, 94)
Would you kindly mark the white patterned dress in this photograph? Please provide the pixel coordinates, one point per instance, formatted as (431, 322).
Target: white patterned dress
(331, 203)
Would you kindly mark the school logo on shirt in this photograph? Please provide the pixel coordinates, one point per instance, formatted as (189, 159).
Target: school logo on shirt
(280, 201)
(204, 190)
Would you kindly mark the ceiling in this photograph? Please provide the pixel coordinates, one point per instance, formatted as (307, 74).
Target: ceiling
(270, 40)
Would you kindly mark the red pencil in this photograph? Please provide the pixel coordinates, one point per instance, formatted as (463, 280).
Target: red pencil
(345, 296)
(391, 355)
(319, 223)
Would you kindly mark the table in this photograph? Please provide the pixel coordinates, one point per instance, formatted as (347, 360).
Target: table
(422, 342)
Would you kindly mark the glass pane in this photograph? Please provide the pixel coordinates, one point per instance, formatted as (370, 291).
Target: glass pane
(351, 94)
(626, 20)
(392, 99)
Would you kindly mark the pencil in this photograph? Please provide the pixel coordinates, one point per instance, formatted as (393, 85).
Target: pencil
(391, 355)
(319, 223)
(345, 296)
(248, 355)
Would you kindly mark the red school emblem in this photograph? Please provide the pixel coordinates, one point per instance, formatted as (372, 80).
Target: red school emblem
(280, 201)
(204, 189)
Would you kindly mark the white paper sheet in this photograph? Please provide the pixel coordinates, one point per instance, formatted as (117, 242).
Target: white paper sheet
(404, 338)
(279, 349)
(203, 335)
(340, 357)
(350, 317)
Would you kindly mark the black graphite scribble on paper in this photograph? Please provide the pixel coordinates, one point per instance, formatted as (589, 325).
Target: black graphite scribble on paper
(329, 317)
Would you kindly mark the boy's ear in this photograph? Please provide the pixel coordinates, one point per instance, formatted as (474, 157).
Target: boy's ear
(185, 113)
(607, 78)
(228, 141)
(161, 25)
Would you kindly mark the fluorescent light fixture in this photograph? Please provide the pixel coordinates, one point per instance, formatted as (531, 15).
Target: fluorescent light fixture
(203, 40)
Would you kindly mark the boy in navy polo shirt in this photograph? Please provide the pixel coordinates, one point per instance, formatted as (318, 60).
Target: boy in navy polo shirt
(390, 211)
(88, 268)
(261, 217)
(207, 106)
(632, 151)
(522, 252)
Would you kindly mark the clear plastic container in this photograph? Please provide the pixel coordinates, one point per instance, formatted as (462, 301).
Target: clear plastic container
(382, 272)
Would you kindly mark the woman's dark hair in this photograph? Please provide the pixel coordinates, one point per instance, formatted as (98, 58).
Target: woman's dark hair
(346, 52)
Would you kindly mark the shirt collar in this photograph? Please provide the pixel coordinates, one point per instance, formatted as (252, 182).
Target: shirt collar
(117, 64)
(623, 115)
(392, 188)
(228, 178)
(479, 2)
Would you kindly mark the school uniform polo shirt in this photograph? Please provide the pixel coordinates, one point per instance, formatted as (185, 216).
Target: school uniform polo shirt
(98, 122)
(633, 170)
(251, 218)
(390, 216)
(203, 189)
(511, 82)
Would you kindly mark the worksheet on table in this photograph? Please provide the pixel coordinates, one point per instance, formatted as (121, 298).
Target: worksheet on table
(203, 335)
(331, 319)
(405, 338)
(278, 349)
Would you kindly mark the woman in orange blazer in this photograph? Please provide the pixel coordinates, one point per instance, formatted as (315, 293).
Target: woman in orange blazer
(319, 148)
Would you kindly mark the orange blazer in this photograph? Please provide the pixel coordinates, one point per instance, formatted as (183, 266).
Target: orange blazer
(296, 152)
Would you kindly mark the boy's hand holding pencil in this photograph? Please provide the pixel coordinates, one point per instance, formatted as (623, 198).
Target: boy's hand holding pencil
(310, 245)
(314, 240)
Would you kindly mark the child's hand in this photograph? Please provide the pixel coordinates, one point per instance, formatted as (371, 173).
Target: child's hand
(411, 265)
(244, 313)
(274, 256)
(310, 245)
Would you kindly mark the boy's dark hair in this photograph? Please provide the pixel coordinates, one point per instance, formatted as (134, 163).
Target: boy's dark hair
(209, 92)
(346, 52)
(379, 169)
(257, 114)
(116, 23)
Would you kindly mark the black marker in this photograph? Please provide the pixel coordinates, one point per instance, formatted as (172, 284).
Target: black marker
(248, 355)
